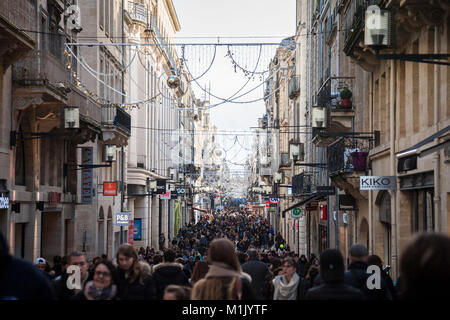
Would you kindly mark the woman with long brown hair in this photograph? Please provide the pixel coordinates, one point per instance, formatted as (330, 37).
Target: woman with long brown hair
(225, 279)
(135, 282)
(201, 268)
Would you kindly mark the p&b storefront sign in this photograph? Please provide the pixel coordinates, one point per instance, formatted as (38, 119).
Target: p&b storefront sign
(122, 218)
(377, 183)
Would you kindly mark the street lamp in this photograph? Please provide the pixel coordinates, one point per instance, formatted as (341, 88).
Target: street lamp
(319, 117)
(277, 177)
(71, 117)
(378, 35)
(109, 153)
(378, 30)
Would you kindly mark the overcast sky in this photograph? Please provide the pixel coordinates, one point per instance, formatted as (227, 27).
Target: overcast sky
(274, 19)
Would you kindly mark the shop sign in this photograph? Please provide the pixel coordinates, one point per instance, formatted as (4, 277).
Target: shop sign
(110, 188)
(326, 190)
(160, 186)
(137, 229)
(4, 201)
(165, 196)
(274, 200)
(296, 213)
(377, 183)
(131, 233)
(87, 157)
(122, 219)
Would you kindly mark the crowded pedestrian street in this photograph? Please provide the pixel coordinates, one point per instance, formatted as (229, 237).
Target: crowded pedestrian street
(237, 158)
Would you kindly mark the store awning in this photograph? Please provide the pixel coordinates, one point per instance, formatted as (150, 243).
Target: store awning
(306, 200)
(198, 209)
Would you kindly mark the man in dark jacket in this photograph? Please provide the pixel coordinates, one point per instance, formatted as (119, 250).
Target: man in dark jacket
(19, 279)
(332, 273)
(260, 274)
(60, 286)
(167, 273)
(356, 275)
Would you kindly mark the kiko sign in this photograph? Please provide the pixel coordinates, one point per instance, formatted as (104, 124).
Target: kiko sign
(377, 183)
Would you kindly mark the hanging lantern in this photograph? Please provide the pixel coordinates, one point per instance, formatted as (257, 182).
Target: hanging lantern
(71, 117)
(109, 153)
(319, 117)
(378, 27)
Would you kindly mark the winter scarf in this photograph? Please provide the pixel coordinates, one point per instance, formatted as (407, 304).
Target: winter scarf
(286, 291)
(93, 293)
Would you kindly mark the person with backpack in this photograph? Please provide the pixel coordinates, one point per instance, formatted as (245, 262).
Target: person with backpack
(357, 275)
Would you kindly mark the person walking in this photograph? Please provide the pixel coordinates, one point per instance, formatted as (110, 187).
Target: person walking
(425, 268)
(287, 285)
(135, 282)
(167, 273)
(201, 268)
(308, 282)
(102, 283)
(333, 286)
(21, 280)
(357, 275)
(376, 261)
(259, 273)
(162, 241)
(62, 290)
(225, 279)
(303, 266)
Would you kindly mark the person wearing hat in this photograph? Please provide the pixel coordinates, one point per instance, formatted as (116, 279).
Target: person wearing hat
(356, 275)
(41, 264)
(332, 274)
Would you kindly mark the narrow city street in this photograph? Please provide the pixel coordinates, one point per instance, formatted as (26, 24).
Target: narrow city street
(224, 150)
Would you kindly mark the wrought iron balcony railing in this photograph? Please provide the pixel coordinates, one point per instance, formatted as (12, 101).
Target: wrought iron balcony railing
(345, 159)
(354, 19)
(116, 116)
(138, 12)
(40, 68)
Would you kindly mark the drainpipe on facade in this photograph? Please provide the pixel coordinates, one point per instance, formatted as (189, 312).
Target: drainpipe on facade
(371, 101)
(395, 227)
(121, 151)
(440, 222)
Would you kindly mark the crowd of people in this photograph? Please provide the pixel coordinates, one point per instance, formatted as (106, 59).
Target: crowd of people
(230, 256)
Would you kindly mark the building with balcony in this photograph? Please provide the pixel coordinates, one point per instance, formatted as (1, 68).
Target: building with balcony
(407, 102)
(378, 117)
(45, 147)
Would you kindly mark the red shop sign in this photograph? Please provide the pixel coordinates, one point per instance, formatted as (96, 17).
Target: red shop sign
(110, 188)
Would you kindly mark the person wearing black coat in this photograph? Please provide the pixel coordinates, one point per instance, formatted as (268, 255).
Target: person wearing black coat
(260, 274)
(357, 275)
(134, 280)
(21, 280)
(62, 290)
(308, 282)
(167, 273)
(332, 273)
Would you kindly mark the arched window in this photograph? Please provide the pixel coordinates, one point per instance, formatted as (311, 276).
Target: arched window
(384, 202)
